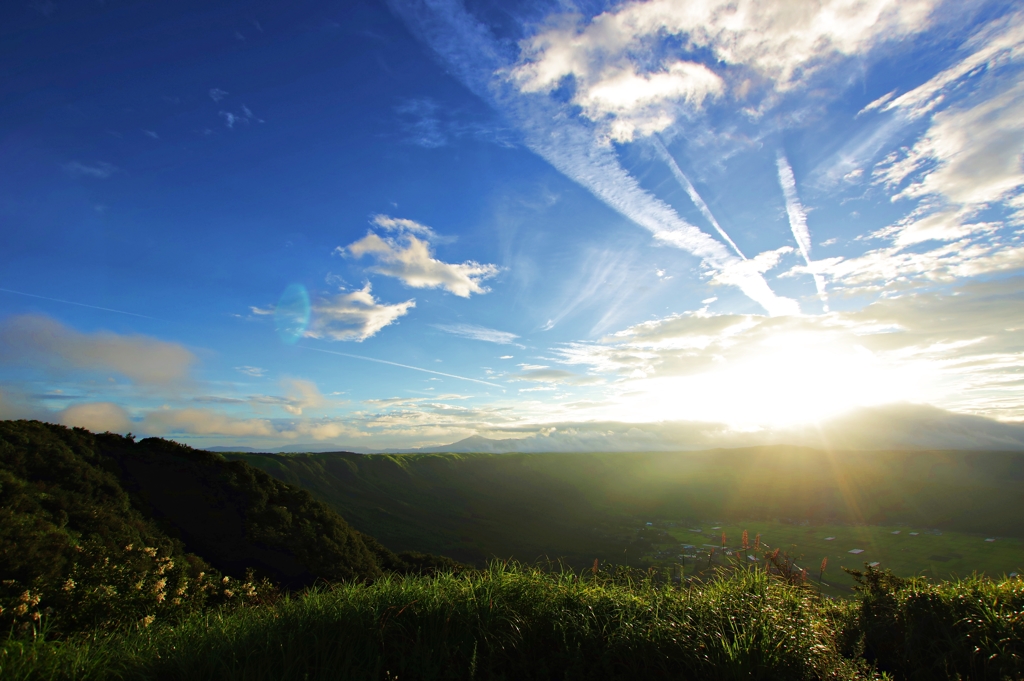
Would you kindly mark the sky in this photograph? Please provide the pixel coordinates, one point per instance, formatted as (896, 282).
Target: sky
(634, 225)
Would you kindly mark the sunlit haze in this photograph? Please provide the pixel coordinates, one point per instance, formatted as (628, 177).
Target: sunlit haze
(597, 226)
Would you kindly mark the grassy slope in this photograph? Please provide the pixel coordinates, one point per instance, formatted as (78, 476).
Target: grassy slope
(473, 506)
(512, 622)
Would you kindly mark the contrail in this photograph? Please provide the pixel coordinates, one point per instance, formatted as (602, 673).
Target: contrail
(71, 302)
(396, 364)
(692, 191)
(798, 222)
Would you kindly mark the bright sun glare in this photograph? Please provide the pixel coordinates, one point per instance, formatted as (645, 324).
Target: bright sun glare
(788, 379)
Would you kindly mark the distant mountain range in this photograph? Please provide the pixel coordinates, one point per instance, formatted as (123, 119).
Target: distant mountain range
(900, 426)
(472, 444)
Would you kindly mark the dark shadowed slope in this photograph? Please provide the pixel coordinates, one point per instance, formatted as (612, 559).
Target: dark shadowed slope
(475, 506)
(73, 502)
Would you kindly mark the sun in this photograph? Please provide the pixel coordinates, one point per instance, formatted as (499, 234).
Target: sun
(787, 379)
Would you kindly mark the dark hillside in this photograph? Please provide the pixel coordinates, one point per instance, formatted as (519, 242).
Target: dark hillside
(102, 526)
(475, 506)
(56, 491)
(238, 517)
(470, 506)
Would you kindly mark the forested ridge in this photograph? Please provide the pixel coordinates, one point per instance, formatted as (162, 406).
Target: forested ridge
(569, 505)
(98, 529)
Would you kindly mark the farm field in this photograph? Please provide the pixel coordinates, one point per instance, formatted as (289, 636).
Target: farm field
(906, 550)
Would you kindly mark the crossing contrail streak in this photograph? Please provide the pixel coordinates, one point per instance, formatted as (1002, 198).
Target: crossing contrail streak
(71, 302)
(396, 364)
(798, 222)
(694, 196)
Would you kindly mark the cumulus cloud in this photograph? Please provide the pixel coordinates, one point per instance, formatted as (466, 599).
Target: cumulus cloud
(168, 421)
(353, 316)
(99, 417)
(203, 422)
(480, 333)
(410, 259)
(608, 57)
(302, 395)
(43, 342)
(404, 225)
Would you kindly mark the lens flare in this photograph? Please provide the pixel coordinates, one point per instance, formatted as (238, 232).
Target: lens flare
(291, 316)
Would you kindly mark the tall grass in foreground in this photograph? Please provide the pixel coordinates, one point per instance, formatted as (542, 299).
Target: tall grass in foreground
(519, 622)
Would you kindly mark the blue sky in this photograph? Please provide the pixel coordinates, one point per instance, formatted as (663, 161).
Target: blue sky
(630, 225)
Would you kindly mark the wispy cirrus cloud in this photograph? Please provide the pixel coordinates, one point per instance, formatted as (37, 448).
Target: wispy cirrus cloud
(579, 151)
(543, 374)
(798, 222)
(99, 170)
(480, 333)
(965, 163)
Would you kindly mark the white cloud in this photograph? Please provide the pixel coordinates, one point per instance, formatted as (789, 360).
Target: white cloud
(99, 417)
(995, 45)
(216, 94)
(302, 394)
(946, 225)
(99, 170)
(40, 341)
(782, 40)
(960, 348)
(691, 191)
(353, 316)
(540, 374)
(894, 267)
(403, 225)
(414, 264)
(255, 372)
(573, 148)
(480, 333)
(203, 422)
(971, 154)
(798, 222)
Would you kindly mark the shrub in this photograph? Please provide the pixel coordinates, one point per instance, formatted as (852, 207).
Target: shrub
(965, 629)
